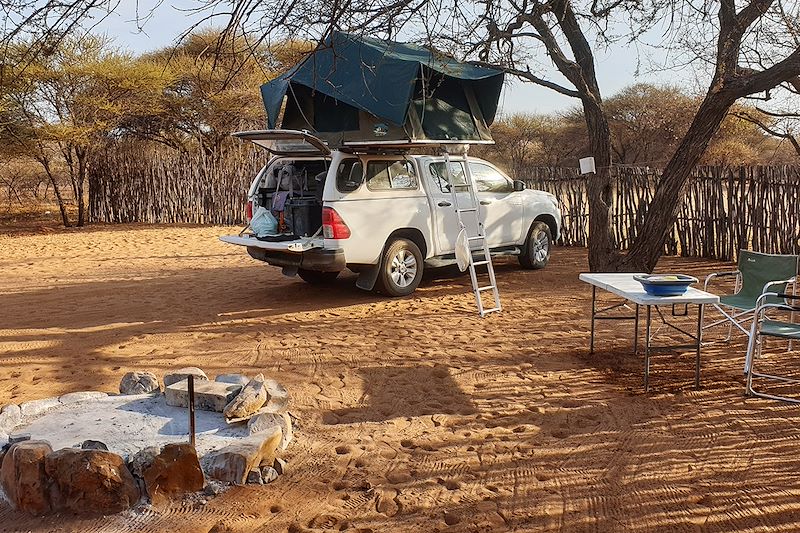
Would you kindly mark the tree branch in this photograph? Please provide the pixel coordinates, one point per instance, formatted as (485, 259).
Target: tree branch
(760, 81)
(527, 75)
(777, 115)
(780, 135)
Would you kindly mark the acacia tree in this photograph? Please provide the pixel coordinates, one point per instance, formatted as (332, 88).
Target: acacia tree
(72, 99)
(647, 122)
(19, 132)
(211, 92)
(756, 50)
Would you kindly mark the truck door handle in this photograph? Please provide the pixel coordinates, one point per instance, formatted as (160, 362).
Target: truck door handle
(444, 204)
(485, 202)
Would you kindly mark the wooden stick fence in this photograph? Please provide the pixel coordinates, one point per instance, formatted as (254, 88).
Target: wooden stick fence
(724, 209)
(138, 184)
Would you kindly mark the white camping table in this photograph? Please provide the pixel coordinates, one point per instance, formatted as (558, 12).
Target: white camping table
(625, 286)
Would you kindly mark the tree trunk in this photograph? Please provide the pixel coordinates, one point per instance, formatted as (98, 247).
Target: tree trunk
(61, 207)
(602, 254)
(81, 180)
(649, 243)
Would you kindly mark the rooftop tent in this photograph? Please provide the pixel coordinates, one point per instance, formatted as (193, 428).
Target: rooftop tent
(354, 90)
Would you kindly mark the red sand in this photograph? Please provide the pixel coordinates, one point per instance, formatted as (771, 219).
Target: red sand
(416, 415)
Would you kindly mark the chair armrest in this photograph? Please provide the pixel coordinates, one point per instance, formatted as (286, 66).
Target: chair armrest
(762, 298)
(780, 307)
(790, 297)
(720, 275)
(761, 306)
(777, 282)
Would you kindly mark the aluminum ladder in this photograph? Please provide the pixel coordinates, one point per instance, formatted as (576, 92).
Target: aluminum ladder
(474, 209)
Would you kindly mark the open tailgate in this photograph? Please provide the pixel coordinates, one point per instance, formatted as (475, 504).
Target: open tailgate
(296, 246)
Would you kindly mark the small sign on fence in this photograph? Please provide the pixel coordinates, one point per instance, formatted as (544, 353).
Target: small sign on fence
(587, 165)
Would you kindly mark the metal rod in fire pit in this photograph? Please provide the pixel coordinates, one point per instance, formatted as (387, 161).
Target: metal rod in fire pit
(191, 409)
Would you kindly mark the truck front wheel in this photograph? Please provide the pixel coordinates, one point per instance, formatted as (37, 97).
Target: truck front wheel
(401, 268)
(536, 252)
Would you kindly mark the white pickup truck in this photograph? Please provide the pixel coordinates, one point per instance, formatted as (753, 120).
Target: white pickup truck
(385, 216)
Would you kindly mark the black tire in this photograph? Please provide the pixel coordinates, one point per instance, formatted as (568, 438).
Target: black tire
(401, 268)
(317, 277)
(536, 252)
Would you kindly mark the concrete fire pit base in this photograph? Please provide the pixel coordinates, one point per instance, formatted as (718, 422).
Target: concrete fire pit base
(127, 424)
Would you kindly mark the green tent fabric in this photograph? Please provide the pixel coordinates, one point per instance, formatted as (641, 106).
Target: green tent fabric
(397, 83)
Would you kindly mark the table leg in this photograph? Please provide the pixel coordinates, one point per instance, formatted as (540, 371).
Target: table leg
(699, 341)
(636, 332)
(591, 337)
(647, 353)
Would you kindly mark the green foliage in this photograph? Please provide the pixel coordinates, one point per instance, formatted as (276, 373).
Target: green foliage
(212, 92)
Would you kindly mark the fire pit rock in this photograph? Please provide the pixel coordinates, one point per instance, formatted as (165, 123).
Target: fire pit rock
(236, 379)
(234, 462)
(90, 481)
(138, 383)
(183, 373)
(251, 398)
(173, 472)
(266, 421)
(23, 477)
(208, 395)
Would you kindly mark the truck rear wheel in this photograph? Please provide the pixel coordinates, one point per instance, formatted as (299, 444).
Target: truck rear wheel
(401, 268)
(317, 277)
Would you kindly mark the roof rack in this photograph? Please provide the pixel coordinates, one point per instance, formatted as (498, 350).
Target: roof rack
(453, 146)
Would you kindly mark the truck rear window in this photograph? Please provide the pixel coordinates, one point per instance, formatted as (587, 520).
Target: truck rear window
(349, 175)
(440, 176)
(392, 174)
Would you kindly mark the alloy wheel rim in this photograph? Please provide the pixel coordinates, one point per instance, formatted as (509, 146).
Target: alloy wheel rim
(403, 268)
(541, 246)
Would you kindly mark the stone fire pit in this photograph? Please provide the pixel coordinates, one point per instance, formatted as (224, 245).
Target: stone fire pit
(98, 453)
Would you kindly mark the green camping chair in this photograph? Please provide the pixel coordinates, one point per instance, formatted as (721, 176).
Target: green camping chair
(756, 274)
(764, 326)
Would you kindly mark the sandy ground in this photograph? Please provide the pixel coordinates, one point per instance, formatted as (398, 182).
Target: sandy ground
(416, 415)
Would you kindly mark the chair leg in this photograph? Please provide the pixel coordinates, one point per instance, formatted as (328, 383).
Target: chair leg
(749, 363)
(730, 318)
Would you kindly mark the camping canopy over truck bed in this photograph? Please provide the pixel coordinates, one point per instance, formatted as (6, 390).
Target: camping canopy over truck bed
(359, 91)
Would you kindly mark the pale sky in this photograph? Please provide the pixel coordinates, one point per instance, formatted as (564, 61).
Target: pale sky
(616, 68)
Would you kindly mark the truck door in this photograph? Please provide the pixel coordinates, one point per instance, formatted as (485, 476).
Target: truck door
(500, 205)
(446, 226)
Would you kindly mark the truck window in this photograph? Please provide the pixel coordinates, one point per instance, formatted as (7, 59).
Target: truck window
(349, 175)
(437, 170)
(488, 179)
(393, 174)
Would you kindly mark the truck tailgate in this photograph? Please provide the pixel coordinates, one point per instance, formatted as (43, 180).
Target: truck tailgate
(295, 246)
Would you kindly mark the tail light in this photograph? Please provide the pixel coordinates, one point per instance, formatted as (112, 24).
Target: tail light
(249, 210)
(333, 227)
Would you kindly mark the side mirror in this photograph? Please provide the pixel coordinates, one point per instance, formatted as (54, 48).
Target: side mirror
(519, 185)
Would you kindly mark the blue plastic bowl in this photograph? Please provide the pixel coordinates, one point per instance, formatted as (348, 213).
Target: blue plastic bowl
(665, 284)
